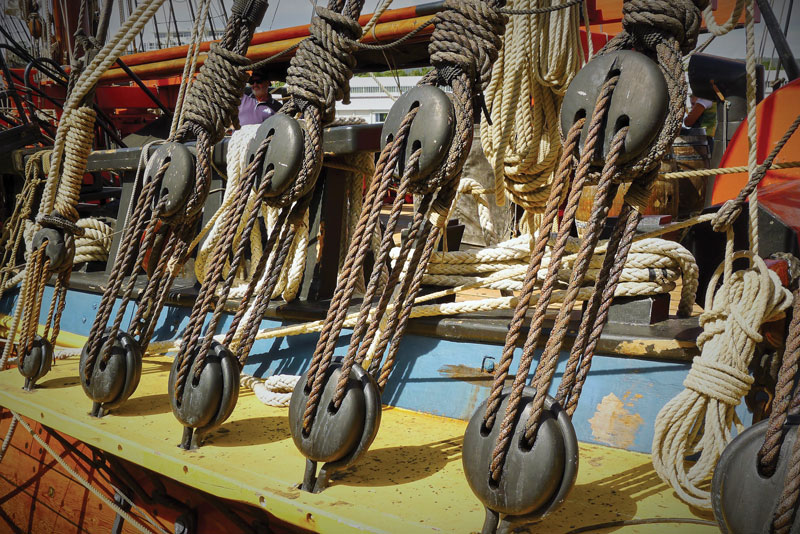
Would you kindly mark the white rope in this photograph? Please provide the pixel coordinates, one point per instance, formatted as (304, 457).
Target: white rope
(540, 56)
(653, 266)
(728, 25)
(274, 391)
(701, 417)
(95, 243)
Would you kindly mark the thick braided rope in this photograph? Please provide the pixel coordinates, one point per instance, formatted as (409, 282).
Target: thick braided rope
(540, 56)
(106, 57)
(468, 35)
(276, 390)
(213, 100)
(95, 243)
(699, 419)
(321, 69)
(79, 124)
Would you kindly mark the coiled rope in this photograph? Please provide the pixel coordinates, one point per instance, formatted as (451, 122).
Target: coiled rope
(541, 54)
(700, 418)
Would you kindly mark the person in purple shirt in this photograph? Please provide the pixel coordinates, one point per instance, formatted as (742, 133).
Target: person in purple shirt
(256, 107)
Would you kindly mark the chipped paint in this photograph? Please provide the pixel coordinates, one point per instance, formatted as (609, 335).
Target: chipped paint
(655, 348)
(613, 424)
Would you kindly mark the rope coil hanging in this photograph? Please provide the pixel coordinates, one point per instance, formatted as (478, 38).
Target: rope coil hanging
(718, 379)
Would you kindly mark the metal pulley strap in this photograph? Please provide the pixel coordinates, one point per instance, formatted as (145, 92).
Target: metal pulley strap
(425, 143)
(173, 193)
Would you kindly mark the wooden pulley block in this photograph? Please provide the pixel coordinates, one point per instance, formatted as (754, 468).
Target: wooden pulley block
(535, 479)
(744, 500)
(112, 381)
(640, 101)
(178, 184)
(57, 249)
(338, 436)
(284, 154)
(208, 400)
(36, 362)
(432, 129)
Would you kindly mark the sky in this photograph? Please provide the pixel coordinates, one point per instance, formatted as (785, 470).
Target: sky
(285, 13)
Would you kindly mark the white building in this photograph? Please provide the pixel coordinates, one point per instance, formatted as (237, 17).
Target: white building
(372, 97)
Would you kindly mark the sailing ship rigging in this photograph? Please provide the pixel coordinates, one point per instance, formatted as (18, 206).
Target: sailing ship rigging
(313, 323)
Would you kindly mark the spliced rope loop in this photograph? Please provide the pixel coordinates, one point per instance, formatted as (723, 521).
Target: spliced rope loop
(318, 75)
(463, 47)
(210, 106)
(648, 28)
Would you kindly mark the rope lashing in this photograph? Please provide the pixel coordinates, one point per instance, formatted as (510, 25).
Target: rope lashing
(649, 22)
(321, 69)
(467, 37)
(700, 418)
(213, 100)
(80, 124)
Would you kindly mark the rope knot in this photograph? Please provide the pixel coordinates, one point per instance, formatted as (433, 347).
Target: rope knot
(322, 67)
(649, 22)
(213, 100)
(467, 39)
(718, 380)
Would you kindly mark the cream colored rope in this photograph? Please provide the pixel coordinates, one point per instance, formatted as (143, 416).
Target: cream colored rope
(540, 56)
(700, 418)
(728, 25)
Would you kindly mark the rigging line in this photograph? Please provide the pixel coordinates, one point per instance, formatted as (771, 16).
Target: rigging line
(274, 14)
(175, 23)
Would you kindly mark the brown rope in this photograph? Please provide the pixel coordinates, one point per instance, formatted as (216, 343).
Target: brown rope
(592, 138)
(211, 105)
(784, 394)
(547, 364)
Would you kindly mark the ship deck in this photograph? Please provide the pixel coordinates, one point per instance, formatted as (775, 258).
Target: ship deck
(411, 480)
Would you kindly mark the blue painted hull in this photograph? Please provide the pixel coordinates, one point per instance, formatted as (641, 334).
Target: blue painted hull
(618, 406)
